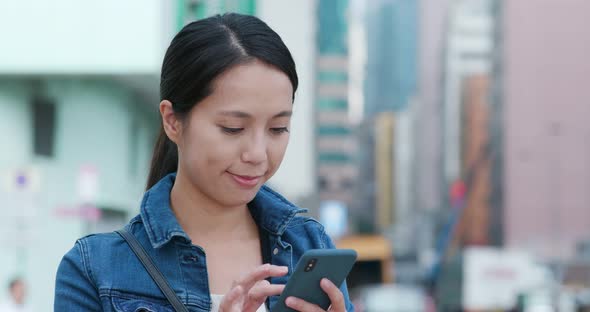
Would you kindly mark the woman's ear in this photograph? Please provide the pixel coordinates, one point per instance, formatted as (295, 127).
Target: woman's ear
(170, 122)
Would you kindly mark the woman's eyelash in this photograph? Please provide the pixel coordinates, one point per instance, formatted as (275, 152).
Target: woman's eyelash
(232, 130)
(279, 130)
(238, 130)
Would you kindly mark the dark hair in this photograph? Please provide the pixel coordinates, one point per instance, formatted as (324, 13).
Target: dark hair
(197, 55)
(13, 282)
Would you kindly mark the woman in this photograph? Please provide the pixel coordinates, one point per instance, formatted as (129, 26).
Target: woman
(223, 240)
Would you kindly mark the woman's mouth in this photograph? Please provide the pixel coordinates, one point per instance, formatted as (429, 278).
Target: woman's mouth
(246, 181)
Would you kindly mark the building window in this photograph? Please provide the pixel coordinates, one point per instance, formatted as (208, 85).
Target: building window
(334, 157)
(332, 77)
(43, 115)
(331, 104)
(327, 130)
(333, 28)
(323, 183)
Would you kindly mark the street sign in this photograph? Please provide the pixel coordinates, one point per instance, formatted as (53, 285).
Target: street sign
(494, 277)
(88, 187)
(19, 192)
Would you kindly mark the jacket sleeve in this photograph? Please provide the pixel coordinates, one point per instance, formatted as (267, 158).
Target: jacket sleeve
(74, 288)
(327, 242)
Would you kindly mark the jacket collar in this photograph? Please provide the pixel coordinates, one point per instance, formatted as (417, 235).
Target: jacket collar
(270, 211)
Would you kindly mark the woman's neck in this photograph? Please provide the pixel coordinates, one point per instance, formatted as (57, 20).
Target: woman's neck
(202, 218)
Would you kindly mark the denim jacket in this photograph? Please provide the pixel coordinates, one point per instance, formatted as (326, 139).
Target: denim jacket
(101, 273)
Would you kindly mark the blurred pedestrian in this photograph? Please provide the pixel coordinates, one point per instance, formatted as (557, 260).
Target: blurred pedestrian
(16, 299)
(221, 239)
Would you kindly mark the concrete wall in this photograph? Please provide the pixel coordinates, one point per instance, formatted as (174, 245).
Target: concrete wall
(547, 133)
(94, 118)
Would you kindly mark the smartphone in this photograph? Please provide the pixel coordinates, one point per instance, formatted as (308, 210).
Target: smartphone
(315, 264)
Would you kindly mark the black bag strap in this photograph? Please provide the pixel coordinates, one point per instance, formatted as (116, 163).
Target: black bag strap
(152, 270)
(266, 255)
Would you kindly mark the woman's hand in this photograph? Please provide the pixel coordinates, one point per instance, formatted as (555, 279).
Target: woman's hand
(336, 297)
(250, 292)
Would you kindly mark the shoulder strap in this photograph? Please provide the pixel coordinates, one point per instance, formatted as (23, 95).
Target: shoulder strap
(266, 255)
(152, 270)
(264, 246)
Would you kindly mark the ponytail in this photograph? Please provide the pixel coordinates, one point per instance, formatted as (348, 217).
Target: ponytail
(164, 159)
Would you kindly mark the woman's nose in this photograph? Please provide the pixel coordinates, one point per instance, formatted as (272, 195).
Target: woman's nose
(255, 150)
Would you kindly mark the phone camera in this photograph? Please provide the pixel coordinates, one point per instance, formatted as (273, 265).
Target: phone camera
(310, 264)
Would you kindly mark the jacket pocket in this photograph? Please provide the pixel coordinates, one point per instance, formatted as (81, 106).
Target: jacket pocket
(137, 304)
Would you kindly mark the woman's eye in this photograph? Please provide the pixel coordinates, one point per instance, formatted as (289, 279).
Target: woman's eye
(279, 130)
(231, 130)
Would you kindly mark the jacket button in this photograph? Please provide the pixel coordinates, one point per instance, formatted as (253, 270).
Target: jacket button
(191, 258)
(275, 252)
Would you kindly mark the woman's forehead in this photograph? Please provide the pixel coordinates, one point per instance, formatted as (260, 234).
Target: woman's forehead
(250, 90)
(253, 77)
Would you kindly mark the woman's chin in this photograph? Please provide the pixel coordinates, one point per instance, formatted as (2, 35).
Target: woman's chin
(239, 198)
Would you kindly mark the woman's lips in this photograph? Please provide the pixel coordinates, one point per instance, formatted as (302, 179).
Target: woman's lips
(246, 181)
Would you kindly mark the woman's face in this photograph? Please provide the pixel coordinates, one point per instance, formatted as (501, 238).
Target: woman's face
(234, 140)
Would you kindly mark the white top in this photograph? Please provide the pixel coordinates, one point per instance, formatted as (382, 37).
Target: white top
(216, 301)
(10, 306)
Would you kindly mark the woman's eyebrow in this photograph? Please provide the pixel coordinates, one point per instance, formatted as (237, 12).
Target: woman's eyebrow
(240, 114)
(286, 113)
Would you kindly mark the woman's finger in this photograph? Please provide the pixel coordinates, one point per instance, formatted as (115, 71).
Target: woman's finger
(260, 273)
(264, 289)
(302, 305)
(233, 300)
(335, 295)
(259, 292)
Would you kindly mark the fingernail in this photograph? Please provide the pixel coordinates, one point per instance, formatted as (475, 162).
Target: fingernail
(290, 301)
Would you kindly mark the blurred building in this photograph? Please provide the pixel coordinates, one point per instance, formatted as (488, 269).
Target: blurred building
(544, 120)
(77, 95)
(190, 10)
(474, 226)
(392, 165)
(392, 27)
(336, 144)
(366, 212)
(427, 197)
(384, 134)
(496, 132)
(432, 20)
(390, 86)
(468, 52)
(467, 65)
